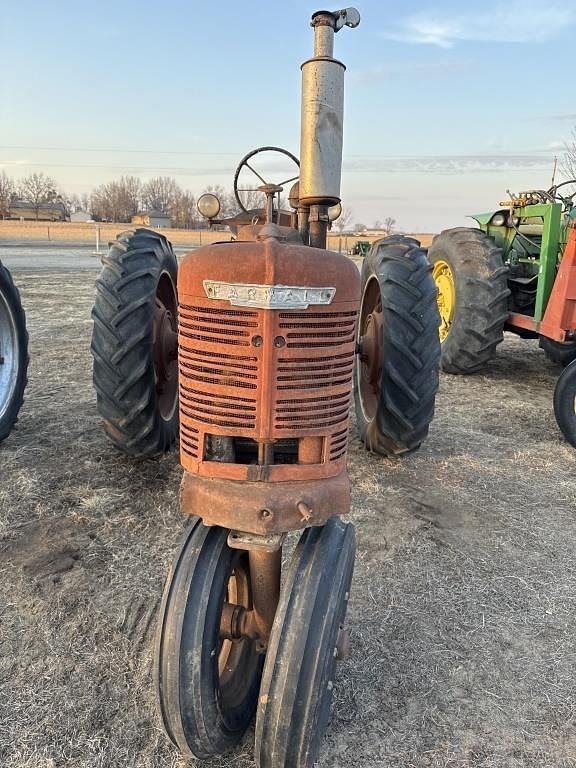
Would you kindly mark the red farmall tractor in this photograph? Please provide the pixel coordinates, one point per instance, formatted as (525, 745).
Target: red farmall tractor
(262, 340)
(13, 353)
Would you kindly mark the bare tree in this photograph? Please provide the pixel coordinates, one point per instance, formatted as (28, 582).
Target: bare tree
(359, 227)
(36, 190)
(118, 200)
(345, 219)
(389, 225)
(130, 193)
(183, 212)
(6, 194)
(159, 194)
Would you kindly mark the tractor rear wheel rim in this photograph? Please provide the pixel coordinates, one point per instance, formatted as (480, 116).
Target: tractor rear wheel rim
(165, 345)
(370, 358)
(444, 279)
(9, 355)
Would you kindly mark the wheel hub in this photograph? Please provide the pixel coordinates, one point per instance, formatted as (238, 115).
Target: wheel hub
(370, 349)
(444, 279)
(371, 345)
(165, 342)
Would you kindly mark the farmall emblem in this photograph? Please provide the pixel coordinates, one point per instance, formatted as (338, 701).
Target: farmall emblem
(268, 296)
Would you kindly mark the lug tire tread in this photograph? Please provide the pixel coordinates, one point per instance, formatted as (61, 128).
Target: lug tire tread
(123, 368)
(295, 694)
(411, 348)
(481, 297)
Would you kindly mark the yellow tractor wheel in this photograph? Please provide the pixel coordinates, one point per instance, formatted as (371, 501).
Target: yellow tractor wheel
(444, 279)
(472, 284)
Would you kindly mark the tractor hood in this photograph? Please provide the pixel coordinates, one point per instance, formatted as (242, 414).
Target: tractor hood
(482, 218)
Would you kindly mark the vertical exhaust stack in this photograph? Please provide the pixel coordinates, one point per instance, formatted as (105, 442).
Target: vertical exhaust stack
(321, 124)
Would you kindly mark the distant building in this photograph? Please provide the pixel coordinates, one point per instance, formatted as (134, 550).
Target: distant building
(371, 232)
(80, 216)
(21, 209)
(153, 219)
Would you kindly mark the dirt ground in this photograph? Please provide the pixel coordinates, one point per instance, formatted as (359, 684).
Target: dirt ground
(462, 619)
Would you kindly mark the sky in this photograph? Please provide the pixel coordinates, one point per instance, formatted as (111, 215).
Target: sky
(448, 104)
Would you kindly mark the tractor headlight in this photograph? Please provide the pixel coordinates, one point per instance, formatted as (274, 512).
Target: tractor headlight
(294, 195)
(208, 205)
(334, 212)
(498, 220)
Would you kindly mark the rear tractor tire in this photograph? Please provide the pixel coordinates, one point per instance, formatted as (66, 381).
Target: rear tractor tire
(396, 373)
(134, 344)
(471, 278)
(13, 353)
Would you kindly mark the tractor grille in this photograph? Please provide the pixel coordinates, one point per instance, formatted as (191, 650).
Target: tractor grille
(208, 373)
(314, 373)
(265, 375)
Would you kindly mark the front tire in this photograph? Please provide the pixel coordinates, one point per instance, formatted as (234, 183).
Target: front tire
(296, 691)
(134, 344)
(565, 403)
(396, 373)
(558, 352)
(473, 292)
(13, 353)
(206, 687)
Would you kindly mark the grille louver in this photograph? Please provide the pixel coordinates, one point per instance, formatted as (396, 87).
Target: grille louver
(230, 386)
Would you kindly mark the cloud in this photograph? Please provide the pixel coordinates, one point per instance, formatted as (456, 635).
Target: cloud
(569, 117)
(394, 70)
(450, 164)
(13, 163)
(517, 21)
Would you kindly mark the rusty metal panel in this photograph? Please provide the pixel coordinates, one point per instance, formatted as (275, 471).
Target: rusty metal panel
(262, 374)
(265, 508)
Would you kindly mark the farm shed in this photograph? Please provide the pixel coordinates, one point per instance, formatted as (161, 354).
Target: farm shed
(152, 219)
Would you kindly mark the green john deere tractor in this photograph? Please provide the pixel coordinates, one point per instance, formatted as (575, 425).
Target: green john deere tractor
(516, 273)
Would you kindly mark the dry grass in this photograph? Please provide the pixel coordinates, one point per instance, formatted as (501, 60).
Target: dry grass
(86, 233)
(463, 615)
(72, 232)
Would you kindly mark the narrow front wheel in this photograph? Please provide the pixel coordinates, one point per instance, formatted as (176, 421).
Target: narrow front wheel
(206, 684)
(296, 692)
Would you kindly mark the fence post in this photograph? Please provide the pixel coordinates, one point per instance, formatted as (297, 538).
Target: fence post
(97, 251)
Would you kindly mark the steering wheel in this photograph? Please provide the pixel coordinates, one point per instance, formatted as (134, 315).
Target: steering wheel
(566, 200)
(244, 163)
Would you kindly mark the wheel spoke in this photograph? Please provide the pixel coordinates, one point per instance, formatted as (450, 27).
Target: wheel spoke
(245, 163)
(255, 172)
(287, 181)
